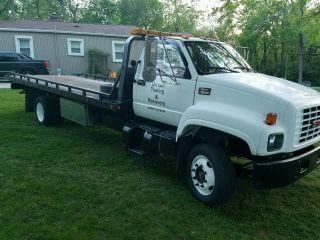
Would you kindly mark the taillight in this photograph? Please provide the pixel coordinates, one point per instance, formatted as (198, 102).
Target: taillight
(46, 64)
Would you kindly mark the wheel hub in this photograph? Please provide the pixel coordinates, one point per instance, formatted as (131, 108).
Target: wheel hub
(202, 175)
(40, 112)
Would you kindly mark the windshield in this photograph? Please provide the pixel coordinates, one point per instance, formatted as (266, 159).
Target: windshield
(213, 57)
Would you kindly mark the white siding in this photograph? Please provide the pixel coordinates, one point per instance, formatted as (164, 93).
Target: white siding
(54, 47)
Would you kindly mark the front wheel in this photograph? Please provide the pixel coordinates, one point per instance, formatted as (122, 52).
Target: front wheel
(210, 174)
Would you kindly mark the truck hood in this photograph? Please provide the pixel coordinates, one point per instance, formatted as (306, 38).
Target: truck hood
(273, 88)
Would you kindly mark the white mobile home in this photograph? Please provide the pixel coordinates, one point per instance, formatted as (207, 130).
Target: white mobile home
(70, 47)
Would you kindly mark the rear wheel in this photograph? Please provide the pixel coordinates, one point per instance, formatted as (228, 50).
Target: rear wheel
(40, 112)
(210, 174)
(47, 111)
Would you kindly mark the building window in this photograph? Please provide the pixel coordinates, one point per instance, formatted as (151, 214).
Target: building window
(117, 50)
(24, 44)
(75, 47)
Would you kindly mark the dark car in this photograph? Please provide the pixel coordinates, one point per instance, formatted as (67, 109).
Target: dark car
(21, 63)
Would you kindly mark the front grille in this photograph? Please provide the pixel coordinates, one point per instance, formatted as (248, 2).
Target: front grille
(307, 129)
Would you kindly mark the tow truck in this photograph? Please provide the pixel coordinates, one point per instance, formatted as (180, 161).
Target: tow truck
(197, 100)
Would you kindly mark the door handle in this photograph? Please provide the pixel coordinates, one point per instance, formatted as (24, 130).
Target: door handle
(141, 82)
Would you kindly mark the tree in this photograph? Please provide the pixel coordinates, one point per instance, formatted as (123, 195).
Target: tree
(302, 13)
(180, 16)
(141, 13)
(66, 10)
(100, 11)
(8, 9)
(272, 29)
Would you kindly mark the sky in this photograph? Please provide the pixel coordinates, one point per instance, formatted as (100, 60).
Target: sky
(207, 4)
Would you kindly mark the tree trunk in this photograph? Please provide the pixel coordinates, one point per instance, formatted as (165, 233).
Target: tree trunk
(301, 56)
(264, 57)
(13, 10)
(276, 69)
(38, 10)
(283, 63)
(5, 7)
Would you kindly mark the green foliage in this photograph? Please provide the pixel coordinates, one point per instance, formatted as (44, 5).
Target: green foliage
(141, 13)
(169, 15)
(67, 10)
(180, 17)
(97, 62)
(271, 30)
(100, 11)
(5, 6)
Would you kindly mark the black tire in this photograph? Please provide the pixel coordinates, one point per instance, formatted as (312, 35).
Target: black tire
(202, 160)
(47, 111)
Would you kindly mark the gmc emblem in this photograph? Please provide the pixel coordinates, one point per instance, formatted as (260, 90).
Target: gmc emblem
(316, 123)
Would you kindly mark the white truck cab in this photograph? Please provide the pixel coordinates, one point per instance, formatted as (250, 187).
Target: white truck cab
(206, 86)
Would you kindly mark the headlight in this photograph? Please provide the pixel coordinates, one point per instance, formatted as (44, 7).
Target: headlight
(275, 142)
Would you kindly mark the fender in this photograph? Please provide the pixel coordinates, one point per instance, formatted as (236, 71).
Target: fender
(239, 122)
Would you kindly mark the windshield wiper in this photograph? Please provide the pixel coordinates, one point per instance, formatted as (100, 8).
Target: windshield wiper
(245, 68)
(220, 68)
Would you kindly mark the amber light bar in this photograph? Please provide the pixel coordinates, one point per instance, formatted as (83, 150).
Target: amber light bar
(145, 32)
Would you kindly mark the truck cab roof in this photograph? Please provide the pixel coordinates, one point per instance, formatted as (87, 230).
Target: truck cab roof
(21, 55)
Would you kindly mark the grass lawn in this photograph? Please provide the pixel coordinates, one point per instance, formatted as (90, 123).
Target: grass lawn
(71, 182)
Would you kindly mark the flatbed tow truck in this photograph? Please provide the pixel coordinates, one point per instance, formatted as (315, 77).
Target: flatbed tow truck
(196, 100)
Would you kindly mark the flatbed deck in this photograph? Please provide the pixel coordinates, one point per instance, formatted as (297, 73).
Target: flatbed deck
(71, 87)
(80, 82)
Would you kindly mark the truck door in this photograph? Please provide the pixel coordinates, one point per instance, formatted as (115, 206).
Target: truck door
(165, 99)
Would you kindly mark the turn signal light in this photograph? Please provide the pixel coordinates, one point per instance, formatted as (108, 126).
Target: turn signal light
(271, 118)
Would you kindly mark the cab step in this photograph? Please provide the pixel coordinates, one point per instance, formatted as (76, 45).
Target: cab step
(144, 140)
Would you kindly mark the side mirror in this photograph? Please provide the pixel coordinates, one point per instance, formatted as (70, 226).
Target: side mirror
(149, 73)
